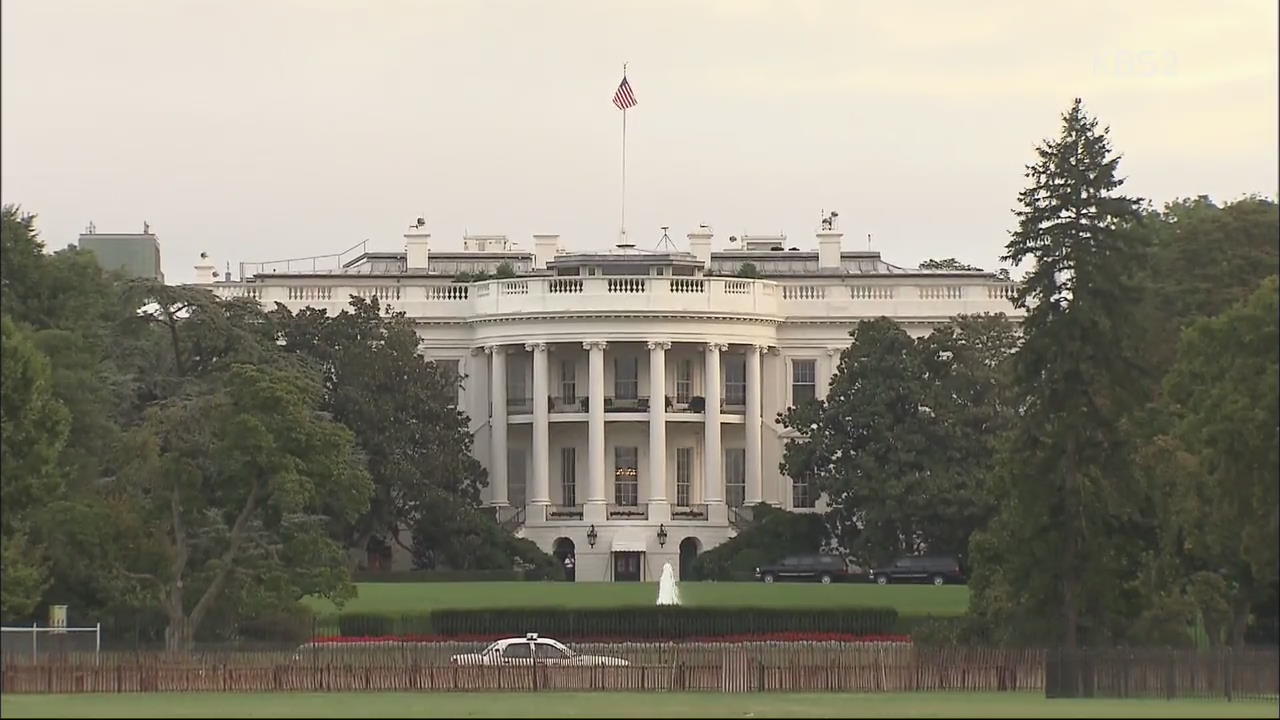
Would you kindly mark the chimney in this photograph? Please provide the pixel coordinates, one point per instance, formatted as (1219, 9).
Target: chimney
(205, 270)
(829, 242)
(545, 248)
(416, 243)
(700, 244)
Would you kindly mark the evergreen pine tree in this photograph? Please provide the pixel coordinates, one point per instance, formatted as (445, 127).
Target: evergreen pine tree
(1055, 552)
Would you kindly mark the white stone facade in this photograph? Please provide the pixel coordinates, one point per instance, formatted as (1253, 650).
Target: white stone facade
(583, 369)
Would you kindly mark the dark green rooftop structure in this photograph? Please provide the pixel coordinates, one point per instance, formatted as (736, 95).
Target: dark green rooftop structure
(134, 254)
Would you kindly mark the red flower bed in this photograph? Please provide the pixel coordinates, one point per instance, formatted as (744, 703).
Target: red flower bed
(770, 637)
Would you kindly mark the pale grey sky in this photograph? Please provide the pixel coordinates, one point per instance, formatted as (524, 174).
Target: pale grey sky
(265, 129)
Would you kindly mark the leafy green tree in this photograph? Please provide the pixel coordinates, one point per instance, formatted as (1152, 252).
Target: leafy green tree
(1056, 548)
(504, 270)
(864, 445)
(21, 257)
(234, 469)
(748, 270)
(948, 264)
(26, 576)
(401, 408)
(1225, 402)
(34, 426)
(904, 441)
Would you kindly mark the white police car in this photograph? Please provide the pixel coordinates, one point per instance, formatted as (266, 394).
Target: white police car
(530, 649)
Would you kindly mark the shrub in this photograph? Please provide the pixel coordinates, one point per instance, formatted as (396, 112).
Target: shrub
(655, 622)
(504, 270)
(774, 533)
(414, 576)
(366, 624)
(291, 625)
(748, 270)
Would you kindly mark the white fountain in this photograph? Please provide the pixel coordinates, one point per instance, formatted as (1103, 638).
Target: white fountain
(668, 593)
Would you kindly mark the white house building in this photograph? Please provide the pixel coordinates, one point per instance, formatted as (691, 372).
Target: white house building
(625, 401)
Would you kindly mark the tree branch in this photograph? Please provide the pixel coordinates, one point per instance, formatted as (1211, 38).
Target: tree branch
(220, 579)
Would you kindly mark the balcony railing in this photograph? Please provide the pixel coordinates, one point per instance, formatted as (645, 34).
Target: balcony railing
(749, 297)
(628, 512)
(564, 512)
(692, 512)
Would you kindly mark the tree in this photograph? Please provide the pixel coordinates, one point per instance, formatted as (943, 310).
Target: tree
(234, 469)
(1055, 548)
(34, 426)
(949, 264)
(748, 270)
(1225, 403)
(903, 442)
(21, 253)
(401, 408)
(504, 270)
(1203, 259)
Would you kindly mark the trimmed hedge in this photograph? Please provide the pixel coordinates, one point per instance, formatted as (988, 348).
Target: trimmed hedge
(656, 622)
(399, 576)
(371, 624)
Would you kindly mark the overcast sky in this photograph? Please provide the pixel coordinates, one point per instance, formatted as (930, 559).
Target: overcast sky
(265, 129)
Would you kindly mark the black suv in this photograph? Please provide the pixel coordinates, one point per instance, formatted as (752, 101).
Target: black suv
(937, 570)
(826, 569)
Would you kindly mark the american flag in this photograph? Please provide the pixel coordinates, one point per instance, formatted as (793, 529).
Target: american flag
(624, 98)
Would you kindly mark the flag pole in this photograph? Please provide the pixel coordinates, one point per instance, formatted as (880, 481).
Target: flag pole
(623, 237)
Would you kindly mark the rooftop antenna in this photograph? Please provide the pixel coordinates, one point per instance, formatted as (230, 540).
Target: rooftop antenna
(666, 243)
(91, 229)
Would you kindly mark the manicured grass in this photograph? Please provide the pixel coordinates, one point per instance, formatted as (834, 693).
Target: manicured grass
(611, 705)
(415, 597)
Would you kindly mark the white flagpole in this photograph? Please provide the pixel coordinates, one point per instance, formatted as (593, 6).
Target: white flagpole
(623, 237)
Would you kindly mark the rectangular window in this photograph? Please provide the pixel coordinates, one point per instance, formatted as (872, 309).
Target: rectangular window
(684, 476)
(801, 497)
(568, 381)
(735, 476)
(735, 380)
(516, 478)
(684, 380)
(517, 392)
(569, 476)
(626, 476)
(626, 377)
(804, 381)
(449, 371)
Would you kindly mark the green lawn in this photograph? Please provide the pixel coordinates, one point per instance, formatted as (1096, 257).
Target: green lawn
(603, 705)
(413, 597)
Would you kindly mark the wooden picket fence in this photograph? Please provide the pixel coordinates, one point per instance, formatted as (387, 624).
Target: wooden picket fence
(717, 667)
(711, 667)
(1224, 673)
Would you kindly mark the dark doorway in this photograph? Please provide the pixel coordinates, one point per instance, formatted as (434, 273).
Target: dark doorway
(378, 555)
(689, 548)
(626, 566)
(564, 553)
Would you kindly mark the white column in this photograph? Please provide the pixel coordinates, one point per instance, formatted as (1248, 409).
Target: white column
(541, 494)
(833, 364)
(755, 478)
(712, 478)
(658, 421)
(595, 429)
(498, 423)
